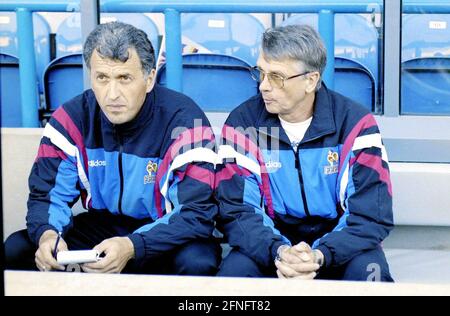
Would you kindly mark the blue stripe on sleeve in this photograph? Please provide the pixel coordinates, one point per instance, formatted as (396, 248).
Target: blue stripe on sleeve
(63, 192)
(252, 197)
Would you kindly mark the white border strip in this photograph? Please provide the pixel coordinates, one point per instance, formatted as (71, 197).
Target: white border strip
(197, 154)
(372, 140)
(226, 151)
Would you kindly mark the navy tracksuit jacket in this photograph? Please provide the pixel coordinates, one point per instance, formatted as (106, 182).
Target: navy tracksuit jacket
(334, 192)
(159, 166)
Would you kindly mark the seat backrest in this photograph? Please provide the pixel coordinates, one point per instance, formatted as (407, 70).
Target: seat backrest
(138, 20)
(425, 35)
(10, 91)
(217, 83)
(426, 86)
(356, 47)
(63, 80)
(362, 87)
(9, 41)
(426, 64)
(68, 35)
(234, 34)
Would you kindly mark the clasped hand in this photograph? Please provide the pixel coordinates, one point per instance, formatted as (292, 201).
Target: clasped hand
(297, 262)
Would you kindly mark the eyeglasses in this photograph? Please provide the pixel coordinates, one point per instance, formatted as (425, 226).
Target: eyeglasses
(275, 80)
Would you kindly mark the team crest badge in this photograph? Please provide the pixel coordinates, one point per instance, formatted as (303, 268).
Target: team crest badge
(333, 159)
(152, 168)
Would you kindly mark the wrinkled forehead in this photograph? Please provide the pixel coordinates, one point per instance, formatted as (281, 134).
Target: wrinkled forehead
(284, 65)
(133, 63)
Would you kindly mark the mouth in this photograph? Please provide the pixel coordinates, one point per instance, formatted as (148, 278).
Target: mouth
(268, 100)
(115, 107)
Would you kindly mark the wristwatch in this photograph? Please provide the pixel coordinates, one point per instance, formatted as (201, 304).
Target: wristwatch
(319, 257)
(279, 250)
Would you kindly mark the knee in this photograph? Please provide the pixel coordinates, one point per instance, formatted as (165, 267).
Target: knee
(198, 258)
(197, 266)
(236, 264)
(16, 244)
(370, 266)
(19, 251)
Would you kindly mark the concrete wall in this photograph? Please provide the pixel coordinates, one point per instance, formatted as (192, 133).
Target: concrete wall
(19, 149)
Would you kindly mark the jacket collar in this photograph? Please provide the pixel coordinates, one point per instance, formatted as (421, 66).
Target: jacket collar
(136, 124)
(322, 124)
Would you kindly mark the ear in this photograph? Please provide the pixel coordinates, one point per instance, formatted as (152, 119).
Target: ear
(151, 80)
(313, 79)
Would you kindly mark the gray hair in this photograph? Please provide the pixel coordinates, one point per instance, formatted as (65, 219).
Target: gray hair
(296, 42)
(112, 40)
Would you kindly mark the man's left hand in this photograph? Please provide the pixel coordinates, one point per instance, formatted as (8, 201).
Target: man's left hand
(118, 251)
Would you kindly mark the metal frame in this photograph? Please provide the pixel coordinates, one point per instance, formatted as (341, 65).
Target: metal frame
(27, 64)
(172, 10)
(409, 138)
(392, 55)
(89, 10)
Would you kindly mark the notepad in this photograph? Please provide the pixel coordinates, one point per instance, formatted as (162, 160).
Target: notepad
(77, 256)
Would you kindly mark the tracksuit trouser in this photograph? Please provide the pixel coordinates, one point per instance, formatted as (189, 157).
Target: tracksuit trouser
(198, 257)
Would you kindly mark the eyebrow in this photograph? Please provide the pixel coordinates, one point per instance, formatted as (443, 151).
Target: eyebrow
(125, 74)
(273, 72)
(278, 73)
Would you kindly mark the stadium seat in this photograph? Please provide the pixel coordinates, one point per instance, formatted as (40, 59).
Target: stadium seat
(362, 86)
(63, 80)
(10, 91)
(68, 37)
(232, 34)
(9, 42)
(426, 64)
(356, 56)
(218, 83)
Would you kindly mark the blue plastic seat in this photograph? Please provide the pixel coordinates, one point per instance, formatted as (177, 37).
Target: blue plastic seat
(10, 91)
(356, 56)
(218, 83)
(354, 81)
(9, 42)
(234, 34)
(63, 80)
(426, 64)
(68, 35)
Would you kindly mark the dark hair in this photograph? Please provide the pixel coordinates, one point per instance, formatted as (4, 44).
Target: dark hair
(112, 40)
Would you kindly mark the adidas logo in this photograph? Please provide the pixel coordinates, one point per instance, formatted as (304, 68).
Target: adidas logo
(273, 165)
(97, 163)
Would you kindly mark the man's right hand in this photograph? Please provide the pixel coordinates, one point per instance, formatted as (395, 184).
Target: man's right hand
(44, 255)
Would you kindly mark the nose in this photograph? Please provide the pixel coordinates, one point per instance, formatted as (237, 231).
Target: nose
(113, 91)
(264, 84)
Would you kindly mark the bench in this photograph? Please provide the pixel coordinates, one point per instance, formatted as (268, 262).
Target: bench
(52, 283)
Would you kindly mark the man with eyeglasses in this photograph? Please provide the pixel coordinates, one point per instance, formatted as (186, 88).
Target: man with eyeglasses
(303, 185)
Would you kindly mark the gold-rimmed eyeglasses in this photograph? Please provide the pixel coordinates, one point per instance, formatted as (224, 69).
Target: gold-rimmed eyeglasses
(275, 80)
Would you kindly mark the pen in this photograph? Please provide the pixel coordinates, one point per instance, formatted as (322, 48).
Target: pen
(56, 245)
